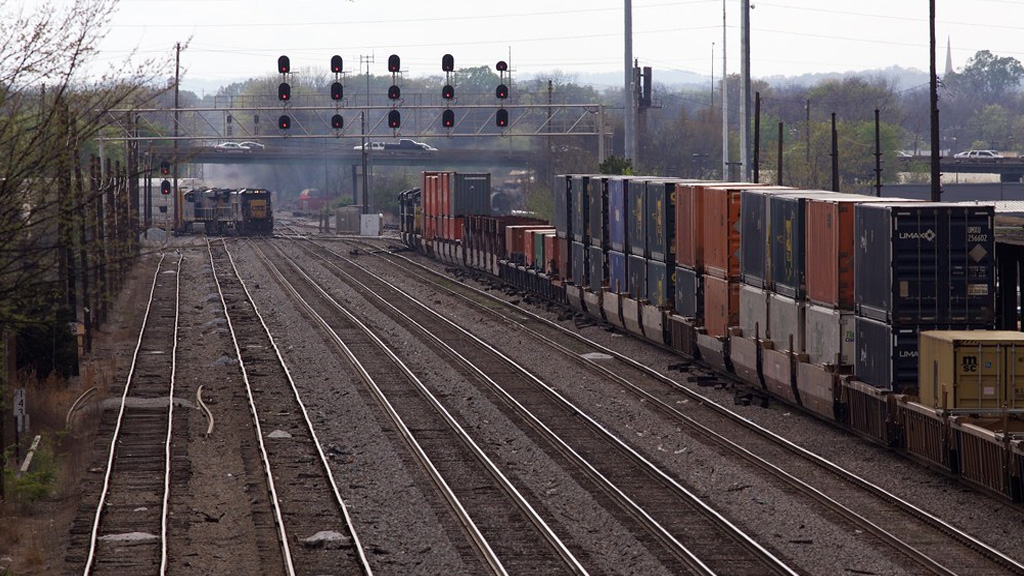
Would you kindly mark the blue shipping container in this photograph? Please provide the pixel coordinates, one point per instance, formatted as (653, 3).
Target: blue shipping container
(617, 272)
(598, 199)
(660, 203)
(636, 274)
(636, 208)
(580, 208)
(598, 269)
(618, 188)
(660, 286)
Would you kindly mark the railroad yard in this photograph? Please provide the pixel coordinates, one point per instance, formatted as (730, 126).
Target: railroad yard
(412, 420)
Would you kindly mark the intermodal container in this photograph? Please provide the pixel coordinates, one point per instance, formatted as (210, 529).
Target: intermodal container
(551, 254)
(598, 269)
(563, 259)
(580, 208)
(721, 305)
(660, 208)
(660, 284)
(786, 322)
(971, 369)
(830, 336)
(786, 238)
(617, 279)
(755, 219)
(689, 292)
(722, 232)
(971, 265)
(598, 217)
(470, 193)
(753, 311)
(515, 243)
(920, 263)
(887, 356)
(580, 264)
(618, 216)
(690, 226)
(636, 276)
(636, 210)
(562, 187)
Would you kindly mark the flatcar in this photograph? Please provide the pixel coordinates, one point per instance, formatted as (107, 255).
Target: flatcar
(879, 315)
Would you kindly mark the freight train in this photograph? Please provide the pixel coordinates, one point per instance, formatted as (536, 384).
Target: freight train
(876, 314)
(228, 211)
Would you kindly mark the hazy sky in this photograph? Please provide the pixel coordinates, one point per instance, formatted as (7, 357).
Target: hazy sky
(238, 39)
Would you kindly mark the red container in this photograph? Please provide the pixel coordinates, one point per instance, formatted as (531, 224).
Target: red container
(529, 243)
(690, 226)
(721, 305)
(551, 254)
(829, 248)
(721, 233)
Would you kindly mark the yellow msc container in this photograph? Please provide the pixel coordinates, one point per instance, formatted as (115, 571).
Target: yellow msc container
(971, 369)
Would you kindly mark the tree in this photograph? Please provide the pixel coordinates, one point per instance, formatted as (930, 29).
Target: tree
(989, 76)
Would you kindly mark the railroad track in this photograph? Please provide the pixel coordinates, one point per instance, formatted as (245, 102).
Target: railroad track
(662, 511)
(128, 532)
(938, 546)
(314, 532)
(504, 531)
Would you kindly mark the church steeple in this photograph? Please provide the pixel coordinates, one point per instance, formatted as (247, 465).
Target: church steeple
(949, 58)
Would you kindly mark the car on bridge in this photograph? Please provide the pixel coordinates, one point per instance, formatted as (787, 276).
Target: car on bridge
(232, 148)
(978, 155)
(254, 146)
(370, 146)
(408, 144)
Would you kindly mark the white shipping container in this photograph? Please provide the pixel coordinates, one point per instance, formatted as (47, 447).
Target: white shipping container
(786, 317)
(753, 310)
(830, 332)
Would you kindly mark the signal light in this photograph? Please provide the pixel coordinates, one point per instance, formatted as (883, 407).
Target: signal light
(165, 168)
(394, 93)
(447, 63)
(394, 119)
(284, 122)
(165, 187)
(284, 65)
(394, 63)
(501, 118)
(336, 64)
(337, 122)
(448, 92)
(448, 118)
(501, 92)
(284, 92)
(337, 91)
(501, 66)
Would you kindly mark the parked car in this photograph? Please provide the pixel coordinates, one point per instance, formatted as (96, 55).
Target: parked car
(253, 145)
(372, 146)
(232, 147)
(978, 154)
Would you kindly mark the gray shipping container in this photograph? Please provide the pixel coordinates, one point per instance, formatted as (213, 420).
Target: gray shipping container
(830, 335)
(471, 194)
(689, 293)
(753, 311)
(786, 317)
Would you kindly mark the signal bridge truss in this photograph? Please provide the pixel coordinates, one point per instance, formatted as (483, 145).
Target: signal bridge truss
(195, 125)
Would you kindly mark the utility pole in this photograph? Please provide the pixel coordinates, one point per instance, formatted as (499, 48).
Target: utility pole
(366, 144)
(629, 104)
(936, 192)
(174, 155)
(745, 168)
(725, 99)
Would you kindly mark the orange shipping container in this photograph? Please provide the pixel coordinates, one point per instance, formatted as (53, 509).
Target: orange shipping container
(721, 231)
(690, 226)
(550, 253)
(721, 305)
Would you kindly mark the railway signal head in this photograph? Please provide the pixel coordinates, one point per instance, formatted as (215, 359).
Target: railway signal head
(284, 92)
(336, 64)
(448, 118)
(501, 92)
(337, 122)
(447, 63)
(394, 92)
(394, 63)
(394, 119)
(165, 187)
(448, 92)
(284, 65)
(337, 91)
(501, 118)
(501, 66)
(165, 168)
(284, 122)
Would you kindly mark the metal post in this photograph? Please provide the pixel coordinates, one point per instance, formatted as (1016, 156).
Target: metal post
(629, 106)
(745, 168)
(725, 99)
